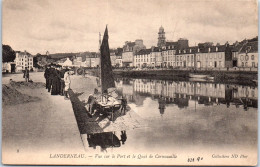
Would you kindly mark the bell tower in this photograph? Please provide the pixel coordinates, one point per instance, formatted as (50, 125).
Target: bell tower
(161, 37)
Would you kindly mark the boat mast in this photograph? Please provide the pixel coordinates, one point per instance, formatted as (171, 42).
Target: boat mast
(100, 84)
(100, 60)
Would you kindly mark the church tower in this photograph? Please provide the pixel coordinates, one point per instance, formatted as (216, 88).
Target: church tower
(161, 37)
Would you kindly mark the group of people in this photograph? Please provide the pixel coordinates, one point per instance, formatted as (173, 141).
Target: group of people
(57, 80)
(93, 98)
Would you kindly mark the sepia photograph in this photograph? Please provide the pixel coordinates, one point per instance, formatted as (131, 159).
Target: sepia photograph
(130, 82)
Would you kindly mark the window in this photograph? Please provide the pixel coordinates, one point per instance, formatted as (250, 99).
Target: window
(253, 64)
(242, 57)
(246, 64)
(247, 57)
(242, 64)
(198, 57)
(219, 63)
(252, 57)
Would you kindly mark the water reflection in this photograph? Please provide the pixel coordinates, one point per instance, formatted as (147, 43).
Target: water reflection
(183, 92)
(103, 140)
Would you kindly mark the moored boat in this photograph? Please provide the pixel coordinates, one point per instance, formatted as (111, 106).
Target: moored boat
(198, 76)
(106, 103)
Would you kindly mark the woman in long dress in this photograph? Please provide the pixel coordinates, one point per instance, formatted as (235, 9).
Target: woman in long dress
(55, 83)
(67, 84)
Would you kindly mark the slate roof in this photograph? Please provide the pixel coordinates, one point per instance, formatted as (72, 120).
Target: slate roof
(144, 51)
(250, 47)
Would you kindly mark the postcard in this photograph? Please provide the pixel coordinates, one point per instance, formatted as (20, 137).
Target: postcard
(133, 82)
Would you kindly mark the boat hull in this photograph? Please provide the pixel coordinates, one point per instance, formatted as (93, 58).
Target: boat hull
(198, 76)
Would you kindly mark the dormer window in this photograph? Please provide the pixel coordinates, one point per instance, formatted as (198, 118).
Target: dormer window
(184, 51)
(190, 50)
(198, 49)
(216, 49)
(209, 49)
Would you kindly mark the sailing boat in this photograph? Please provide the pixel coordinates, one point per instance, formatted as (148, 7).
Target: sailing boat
(106, 103)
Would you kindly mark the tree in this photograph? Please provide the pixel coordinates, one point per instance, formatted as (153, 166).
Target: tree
(36, 60)
(8, 54)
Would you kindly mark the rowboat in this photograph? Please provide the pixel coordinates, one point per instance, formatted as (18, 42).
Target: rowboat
(198, 76)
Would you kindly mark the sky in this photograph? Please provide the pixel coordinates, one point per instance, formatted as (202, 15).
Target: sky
(60, 26)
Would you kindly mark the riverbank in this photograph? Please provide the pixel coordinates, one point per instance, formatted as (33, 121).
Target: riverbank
(240, 77)
(38, 126)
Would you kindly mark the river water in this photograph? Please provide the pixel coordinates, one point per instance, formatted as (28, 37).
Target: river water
(185, 116)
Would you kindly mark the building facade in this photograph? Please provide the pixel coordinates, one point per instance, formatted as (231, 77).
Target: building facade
(129, 50)
(248, 55)
(214, 57)
(157, 55)
(142, 58)
(22, 60)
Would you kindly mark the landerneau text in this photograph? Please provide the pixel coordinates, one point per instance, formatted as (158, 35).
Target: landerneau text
(67, 156)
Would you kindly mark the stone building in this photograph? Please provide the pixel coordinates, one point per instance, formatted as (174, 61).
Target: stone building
(156, 54)
(22, 60)
(129, 50)
(143, 59)
(248, 55)
(211, 57)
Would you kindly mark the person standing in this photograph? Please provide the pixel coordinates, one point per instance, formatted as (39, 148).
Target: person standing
(55, 82)
(62, 83)
(51, 76)
(26, 74)
(67, 84)
(59, 79)
(47, 76)
(123, 104)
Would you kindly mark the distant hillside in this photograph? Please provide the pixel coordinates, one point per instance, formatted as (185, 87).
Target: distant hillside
(58, 56)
